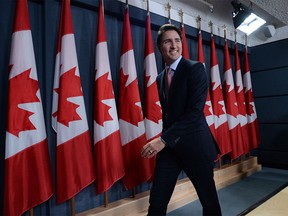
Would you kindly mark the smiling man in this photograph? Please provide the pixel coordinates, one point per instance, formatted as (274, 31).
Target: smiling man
(186, 142)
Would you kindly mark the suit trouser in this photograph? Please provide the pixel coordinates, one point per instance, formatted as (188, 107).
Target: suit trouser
(168, 167)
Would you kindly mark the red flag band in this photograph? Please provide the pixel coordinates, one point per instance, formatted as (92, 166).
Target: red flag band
(185, 51)
(241, 102)
(208, 109)
(232, 107)
(131, 120)
(27, 159)
(74, 161)
(250, 105)
(152, 108)
(108, 154)
(219, 109)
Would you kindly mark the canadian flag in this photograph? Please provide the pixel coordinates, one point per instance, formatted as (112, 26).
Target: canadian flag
(241, 101)
(219, 109)
(232, 107)
(131, 121)
(250, 105)
(28, 179)
(108, 154)
(185, 51)
(74, 161)
(152, 108)
(208, 109)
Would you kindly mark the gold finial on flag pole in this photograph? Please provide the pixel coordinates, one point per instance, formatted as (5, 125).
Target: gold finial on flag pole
(198, 20)
(225, 29)
(210, 24)
(181, 16)
(168, 7)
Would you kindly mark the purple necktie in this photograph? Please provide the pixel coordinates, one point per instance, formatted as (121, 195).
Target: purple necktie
(169, 75)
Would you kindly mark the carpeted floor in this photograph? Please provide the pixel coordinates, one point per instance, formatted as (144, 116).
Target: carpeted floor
(239, 196)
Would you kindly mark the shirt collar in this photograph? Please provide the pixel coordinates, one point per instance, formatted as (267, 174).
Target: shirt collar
(175, 63)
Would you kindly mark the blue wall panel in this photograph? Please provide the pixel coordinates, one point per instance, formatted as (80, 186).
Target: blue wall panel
(272, 109)
(271, 55)
(272, 82)
(274, 137)
(269, 72)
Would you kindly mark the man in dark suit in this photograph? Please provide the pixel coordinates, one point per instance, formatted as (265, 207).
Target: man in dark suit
(186, 142)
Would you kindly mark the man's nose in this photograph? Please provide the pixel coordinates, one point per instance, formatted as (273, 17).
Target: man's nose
(173, 44)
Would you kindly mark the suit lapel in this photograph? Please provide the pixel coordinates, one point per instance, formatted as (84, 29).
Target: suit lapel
(162, 86)
(177, 75)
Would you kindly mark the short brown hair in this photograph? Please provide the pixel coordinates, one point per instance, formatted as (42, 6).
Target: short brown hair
(163, 29)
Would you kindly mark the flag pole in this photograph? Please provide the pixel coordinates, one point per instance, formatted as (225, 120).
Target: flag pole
(73, 206)
(31, 212)
(181, 13)
(133, 192)
(220, 163)
(246, 40)
(210, 24)
(198, 20)
(106, 199)
(168, 8)
(224, 29)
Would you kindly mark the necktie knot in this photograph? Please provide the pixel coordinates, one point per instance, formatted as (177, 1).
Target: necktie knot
(169, 71)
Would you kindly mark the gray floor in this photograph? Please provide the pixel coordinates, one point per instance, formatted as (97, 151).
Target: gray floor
(241, 195)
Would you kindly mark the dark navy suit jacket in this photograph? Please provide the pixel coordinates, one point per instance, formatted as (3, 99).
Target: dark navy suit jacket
(185, 129)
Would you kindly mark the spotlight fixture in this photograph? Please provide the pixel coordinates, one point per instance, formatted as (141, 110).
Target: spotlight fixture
(244, 19)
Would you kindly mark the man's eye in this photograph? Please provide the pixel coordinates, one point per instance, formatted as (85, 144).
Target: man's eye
(166, 42)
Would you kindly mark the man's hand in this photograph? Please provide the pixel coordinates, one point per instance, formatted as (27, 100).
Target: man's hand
(152, 148)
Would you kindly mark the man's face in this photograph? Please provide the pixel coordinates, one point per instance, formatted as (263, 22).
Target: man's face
(171, 46)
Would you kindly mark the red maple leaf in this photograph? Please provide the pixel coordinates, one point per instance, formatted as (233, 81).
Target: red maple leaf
(241, 101)
(103, 90)
(230, 101)
(206, 110)
(70, 86)
(22, 89)
(207, 105)
(216, 97)
(249, 99)
(129, 97)
(237, 90)
(152, 110)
